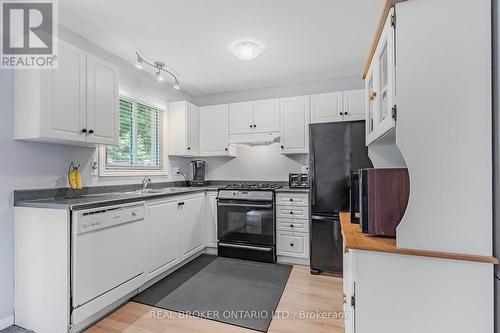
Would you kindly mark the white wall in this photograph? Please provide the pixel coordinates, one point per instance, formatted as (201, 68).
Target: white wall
(260, 163)
(38, 165)
(306, 88)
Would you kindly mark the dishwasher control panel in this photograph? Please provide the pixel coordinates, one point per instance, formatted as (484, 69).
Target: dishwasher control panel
(105, 217)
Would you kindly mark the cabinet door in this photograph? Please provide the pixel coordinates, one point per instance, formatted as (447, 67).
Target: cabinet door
(371, 105)
(65, 116)
(266, 115)
(162, 236)
(212, 220)
(214, 130)
(241, 118)
(384, 57)
(102, 101)
(192, 224)
(294, 128)
(326, 107)
(192, 129)
(354, 104)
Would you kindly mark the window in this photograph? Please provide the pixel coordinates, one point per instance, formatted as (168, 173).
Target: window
(140, 150)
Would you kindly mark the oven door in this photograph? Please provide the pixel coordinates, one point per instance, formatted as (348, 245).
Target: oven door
(248, 222)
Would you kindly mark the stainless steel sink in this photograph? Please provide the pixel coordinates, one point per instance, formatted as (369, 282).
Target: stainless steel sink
(161, 190)
(149, 191)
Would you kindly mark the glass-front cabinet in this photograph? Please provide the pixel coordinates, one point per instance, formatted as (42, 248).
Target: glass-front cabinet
(380, 85)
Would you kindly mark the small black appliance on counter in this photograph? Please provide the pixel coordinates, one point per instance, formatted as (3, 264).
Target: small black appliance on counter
(198, 173)
(298, 180)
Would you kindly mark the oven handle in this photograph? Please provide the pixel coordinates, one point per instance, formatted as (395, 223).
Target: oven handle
(248, 247)
(221, 204)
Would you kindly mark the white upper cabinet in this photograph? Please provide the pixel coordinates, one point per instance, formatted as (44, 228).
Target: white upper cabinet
(241, 118)
(214, 131)
(254, 117)
(353, 102)
(294, 129)
(326, 107)
(380, 86)
(338, 106)
(102, 101)
(77, 103)
(266, 115)
(183, 129)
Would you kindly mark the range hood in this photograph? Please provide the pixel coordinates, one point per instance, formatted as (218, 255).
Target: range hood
(254, 138)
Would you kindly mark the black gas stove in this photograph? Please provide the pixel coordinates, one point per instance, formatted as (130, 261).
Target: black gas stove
(251, 186)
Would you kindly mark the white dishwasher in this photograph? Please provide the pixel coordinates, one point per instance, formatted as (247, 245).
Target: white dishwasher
(106, 259)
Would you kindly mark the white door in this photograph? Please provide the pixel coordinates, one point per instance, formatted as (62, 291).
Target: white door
(326, 107)
(214, 130)
(266, 115)
(294, 129)
(102, 101)
(192, 225)
(212, 220)
(191, 129)
(162, 236)
(354, 104)
(241, 118)
(66, 109)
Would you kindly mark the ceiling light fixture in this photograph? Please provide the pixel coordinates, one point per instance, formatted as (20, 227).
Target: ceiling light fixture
(246, 50)
(160, 67)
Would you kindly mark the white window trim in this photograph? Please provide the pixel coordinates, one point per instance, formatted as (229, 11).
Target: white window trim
(138, 96)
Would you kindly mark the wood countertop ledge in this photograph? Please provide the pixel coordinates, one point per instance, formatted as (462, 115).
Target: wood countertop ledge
(356, 240)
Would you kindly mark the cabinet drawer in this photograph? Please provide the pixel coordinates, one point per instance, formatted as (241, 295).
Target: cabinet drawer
(292, 244)
(292, 212)
(292, 199)
(292, 225)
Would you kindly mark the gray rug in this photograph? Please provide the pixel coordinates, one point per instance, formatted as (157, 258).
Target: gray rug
(233, 291)
(15, 329)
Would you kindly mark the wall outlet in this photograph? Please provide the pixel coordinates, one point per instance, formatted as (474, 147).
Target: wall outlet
(305, 169)
(176, 171)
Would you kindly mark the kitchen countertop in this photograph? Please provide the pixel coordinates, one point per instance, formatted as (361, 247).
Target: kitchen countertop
(356, 240)
(291, 190)
(101, 199)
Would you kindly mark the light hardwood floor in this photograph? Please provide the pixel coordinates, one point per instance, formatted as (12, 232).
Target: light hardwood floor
(304, 294)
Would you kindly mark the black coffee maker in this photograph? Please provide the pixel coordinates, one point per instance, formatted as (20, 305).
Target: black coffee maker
(198, 173)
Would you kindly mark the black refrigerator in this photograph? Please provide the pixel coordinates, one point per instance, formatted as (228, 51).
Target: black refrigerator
(335, 149)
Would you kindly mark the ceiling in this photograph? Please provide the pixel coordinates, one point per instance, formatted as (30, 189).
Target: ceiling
(303, 40)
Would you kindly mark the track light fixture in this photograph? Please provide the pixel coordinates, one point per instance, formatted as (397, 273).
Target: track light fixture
(160, 68)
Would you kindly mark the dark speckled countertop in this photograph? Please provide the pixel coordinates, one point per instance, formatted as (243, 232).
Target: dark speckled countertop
(105, 199)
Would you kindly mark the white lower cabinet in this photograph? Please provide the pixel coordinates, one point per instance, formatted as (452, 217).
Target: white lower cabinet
(192, 224)
(348, 292)
(175, 231)
(211, 219)
(163, 235)
(293, 244)
(292, 227)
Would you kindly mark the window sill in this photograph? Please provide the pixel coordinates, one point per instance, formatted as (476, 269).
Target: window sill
(131, 173)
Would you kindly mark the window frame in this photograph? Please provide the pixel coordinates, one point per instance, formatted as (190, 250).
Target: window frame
(137, 96)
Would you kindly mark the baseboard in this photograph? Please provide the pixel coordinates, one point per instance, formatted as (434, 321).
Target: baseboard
(6, 322)
(292, 260)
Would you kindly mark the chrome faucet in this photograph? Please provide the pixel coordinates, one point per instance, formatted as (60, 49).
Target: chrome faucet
(145, 182)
